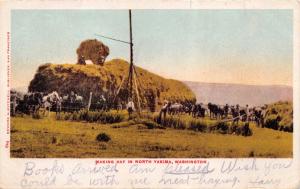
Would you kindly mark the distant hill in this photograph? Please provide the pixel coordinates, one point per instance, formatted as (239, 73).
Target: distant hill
(105, 80)
(239, 93)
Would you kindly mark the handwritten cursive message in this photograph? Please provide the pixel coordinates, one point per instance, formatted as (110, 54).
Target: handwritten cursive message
(225, 173)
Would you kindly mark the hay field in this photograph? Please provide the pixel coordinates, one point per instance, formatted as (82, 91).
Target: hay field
(51, 138)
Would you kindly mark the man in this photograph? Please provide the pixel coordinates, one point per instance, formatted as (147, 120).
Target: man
(226, 109)
(81, 60)
(103, 104)
(264, 113)
(163, 111)
(58, 105)
(119, 104)
(72, 97)
(236, 115)
(130, 107)
(247, 113)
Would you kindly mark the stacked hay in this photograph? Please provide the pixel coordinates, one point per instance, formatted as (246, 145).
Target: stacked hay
(105, 80)
(279, 116)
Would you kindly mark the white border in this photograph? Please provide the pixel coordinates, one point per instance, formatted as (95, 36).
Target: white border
(11, 171)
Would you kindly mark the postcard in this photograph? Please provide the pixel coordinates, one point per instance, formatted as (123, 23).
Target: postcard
(136, 94)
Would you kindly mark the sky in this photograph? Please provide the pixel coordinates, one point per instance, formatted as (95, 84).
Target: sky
(220, 46)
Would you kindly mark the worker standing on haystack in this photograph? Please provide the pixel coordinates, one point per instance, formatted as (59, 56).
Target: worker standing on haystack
(130, 107)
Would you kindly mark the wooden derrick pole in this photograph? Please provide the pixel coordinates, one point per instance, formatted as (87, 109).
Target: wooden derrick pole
(132, 73)
(130, 77)
(90, 101)
(132, 80)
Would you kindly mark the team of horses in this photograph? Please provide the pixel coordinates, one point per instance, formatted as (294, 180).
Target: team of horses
(214, 111)
(31, 103)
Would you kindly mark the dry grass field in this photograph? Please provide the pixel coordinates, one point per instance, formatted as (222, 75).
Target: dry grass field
(49, 138)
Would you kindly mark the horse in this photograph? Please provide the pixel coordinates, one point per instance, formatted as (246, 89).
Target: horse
(78, 98)
(198, 110)
(258, 116)
(72, 102)
(243, 114)
(101, 104)
(188, 107)
(15, 100)
(226, 110)
(175, 108)
(31, 103)
(221, 112)
(214, 110)
(52, 100)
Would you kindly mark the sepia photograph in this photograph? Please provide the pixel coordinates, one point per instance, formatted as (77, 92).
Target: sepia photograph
(151, 83)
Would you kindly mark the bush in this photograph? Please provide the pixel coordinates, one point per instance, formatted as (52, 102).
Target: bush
(272, 121)
(172, 121)
(222, 127)
(103, 137)
(83, 115)
(97, 116)
(75, 116)
(279, 116)
(201, 125)
(198, 126)
(242, 129)
(246, 131)
(67, 116)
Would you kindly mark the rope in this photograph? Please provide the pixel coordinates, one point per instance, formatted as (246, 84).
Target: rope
(232, 119)
(241, 116)
(113, 39)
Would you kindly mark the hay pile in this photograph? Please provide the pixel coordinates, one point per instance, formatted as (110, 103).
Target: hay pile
(279, 116)
(105, 80)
